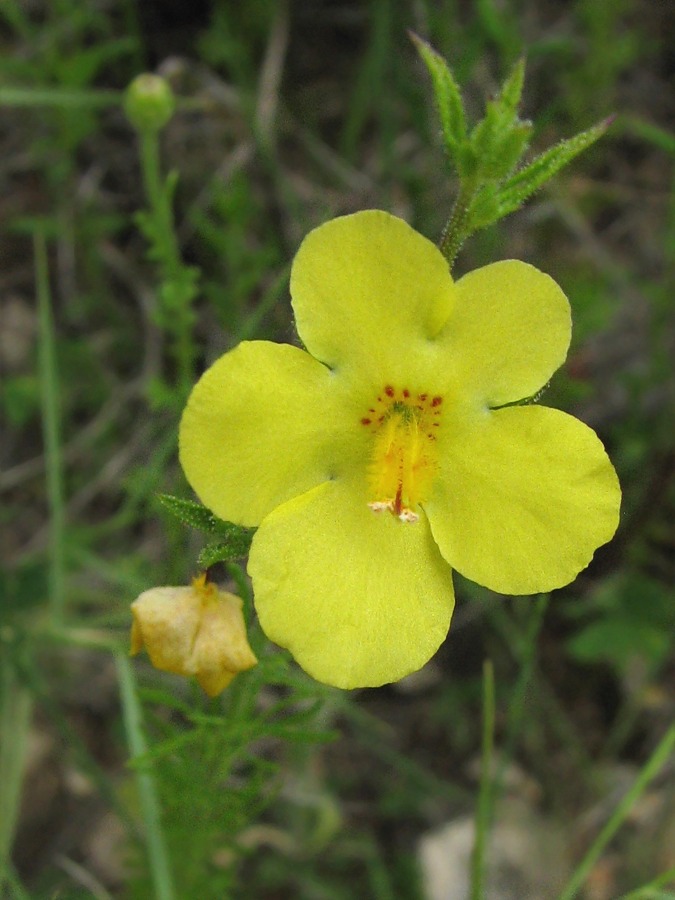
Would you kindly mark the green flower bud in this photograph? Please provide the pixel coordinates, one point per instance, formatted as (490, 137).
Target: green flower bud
(149, 102)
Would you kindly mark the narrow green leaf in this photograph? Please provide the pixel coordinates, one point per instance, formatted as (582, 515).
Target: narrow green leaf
(653, 134)
(512, 89)
(234, 540)
(486, 795)
(528, 180)
(235, 548)
(65, 98)
(500, 138)
(51, 414)
(504, 150)
(190, 513)
(200, 517)
(155, 841)
(485, 133)
(485, 209)
(16, 705)
(648, 772)
(511, 148)
(212, 554)
(170, 186)
(447, 95)
(491, 204)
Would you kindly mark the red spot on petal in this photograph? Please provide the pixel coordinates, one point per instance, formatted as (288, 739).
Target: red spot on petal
(389, 391)
(423, 397)
(398, 504)
(437, 401)
(406, 392)
(365, 421)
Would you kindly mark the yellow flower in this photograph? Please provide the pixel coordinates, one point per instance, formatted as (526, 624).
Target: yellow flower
(196, 630)
(389, 452)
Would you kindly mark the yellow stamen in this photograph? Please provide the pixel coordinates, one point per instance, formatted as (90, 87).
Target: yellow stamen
(404, 455)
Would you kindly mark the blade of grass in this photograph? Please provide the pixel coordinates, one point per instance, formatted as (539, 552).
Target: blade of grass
(371, 732)
(649, 771)
(15, 715)
(527, 651)
(39, 688)
(486, 794)
(158, 857)
(251, 324)
(49, 388)
(659, 137)
(553, 714)
(19, 892)
(368, 91)
(59, 97)
(652, 890)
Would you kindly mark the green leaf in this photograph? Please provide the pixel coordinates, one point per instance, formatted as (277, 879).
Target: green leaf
(492, 203)
(484, 208)
(512, 89)
(632, 616)
(500, 138)
(524, 183)
(485, 133)
(510, 149)
(170, 186)
(22, 588)
(646, 131)
(234, 540)
(235, 548)
(620, 640)
(191, 513)
(176, 295)
(447, 95)
(200, 517)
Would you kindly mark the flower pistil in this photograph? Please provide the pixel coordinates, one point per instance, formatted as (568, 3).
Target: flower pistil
(403, 462)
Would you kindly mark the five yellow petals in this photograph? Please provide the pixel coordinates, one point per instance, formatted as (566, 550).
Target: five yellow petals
(398, 446)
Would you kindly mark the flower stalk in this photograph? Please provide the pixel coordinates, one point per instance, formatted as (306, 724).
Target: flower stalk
(149, 105)
(454, 232)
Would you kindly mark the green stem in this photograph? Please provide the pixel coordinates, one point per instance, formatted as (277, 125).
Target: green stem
(160, 205)
(19, 892)
(527, 652)
(485, 796)
(15, 715)
(90, 638)
(49, 386)
(42, 694)
(61, 98)
(175, 319)
(372, 732)
(158, 857)
(651, 768)
(455, 231)
(652, 891)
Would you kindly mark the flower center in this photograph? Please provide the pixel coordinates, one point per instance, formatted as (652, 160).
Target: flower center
(403, 462)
